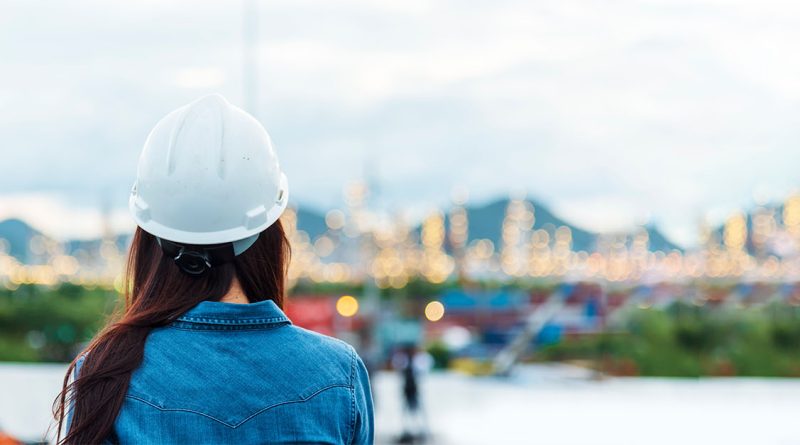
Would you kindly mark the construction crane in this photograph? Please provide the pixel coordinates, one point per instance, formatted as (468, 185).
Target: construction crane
(505, 360)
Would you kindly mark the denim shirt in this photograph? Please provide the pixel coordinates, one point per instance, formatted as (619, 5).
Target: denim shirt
(227, 373)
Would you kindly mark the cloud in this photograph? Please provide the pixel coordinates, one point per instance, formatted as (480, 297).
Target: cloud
(57, 217)
(662, 108)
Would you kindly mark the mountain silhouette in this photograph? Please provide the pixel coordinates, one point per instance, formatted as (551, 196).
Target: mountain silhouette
(18, 234)
(485, 222)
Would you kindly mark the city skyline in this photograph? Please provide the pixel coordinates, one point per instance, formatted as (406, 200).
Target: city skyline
(504, 241)
(54, 217)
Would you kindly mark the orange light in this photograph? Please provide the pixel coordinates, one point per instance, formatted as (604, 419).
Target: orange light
(434, 311)
(347, 306)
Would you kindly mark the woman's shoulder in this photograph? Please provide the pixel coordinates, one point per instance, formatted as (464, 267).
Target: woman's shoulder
(286, 347)
(318, 342)
(335, 358)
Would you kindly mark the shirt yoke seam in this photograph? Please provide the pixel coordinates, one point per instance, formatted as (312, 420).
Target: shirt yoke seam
(246, 419)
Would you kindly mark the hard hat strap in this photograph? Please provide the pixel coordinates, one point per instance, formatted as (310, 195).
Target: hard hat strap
(195, 259)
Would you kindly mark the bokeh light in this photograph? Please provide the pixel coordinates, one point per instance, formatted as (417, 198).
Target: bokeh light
(434, 311)
(347, 306)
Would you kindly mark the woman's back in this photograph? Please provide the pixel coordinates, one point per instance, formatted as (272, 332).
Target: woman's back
(180, 366)
(242, 373)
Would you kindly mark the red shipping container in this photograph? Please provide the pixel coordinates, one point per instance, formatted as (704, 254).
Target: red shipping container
(313, 313)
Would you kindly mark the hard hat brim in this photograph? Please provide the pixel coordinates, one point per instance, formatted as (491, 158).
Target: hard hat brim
(139, 211)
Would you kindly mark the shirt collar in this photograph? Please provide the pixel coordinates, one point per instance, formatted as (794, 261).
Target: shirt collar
(215, 312)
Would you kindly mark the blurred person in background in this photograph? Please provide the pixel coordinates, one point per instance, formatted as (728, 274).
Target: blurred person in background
(412, 364)
(203, 352)
(369, 351)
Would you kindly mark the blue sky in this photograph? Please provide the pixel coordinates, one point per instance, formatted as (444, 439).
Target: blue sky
(611, 112)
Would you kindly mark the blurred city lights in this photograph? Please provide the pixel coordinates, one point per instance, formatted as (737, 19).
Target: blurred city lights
(360, 244)
(434, 311)
(456, 337)
(347, 306)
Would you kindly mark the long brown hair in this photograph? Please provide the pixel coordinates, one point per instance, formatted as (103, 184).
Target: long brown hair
(157, 292)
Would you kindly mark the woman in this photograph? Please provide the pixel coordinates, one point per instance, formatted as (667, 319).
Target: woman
(203, 352)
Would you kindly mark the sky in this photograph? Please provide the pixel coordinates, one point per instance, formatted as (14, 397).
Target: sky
(612, 113)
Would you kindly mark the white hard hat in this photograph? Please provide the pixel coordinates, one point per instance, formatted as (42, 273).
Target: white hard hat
(207, 175)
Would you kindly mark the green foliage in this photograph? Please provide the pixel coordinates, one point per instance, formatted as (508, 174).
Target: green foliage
(418, 288)
(682, 340)
(50, 324)
(307, 287)
(686, 340)
(440, 353)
